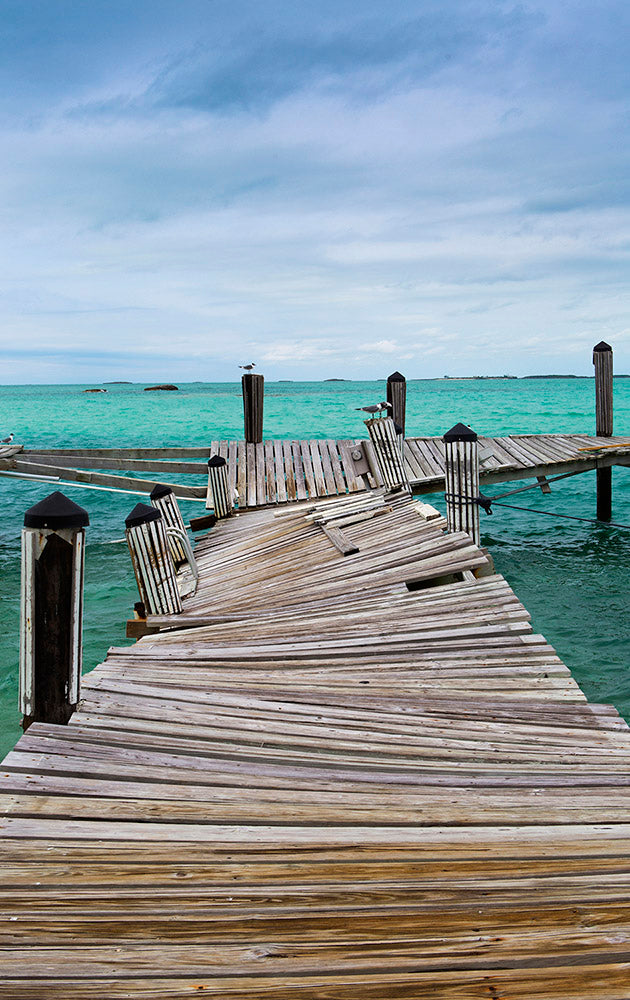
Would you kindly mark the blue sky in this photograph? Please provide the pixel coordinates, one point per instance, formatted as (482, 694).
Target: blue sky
(330, 190)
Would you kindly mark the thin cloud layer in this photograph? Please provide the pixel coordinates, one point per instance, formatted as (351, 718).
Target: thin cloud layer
(324, 189)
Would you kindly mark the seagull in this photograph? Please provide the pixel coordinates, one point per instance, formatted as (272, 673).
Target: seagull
(7, 440)
(248, 368)
(375, 408)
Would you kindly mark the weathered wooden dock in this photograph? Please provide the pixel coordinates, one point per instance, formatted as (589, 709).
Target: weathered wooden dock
(357, 776)
(281, 471)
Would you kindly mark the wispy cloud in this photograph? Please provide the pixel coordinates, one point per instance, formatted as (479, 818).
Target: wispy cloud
(316, 186)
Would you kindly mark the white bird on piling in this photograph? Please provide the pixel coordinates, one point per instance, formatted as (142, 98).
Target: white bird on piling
(248, 368)
(7, 440)
(375, 408)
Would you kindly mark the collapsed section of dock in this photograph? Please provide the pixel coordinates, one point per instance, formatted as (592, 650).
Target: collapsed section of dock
(348, 769)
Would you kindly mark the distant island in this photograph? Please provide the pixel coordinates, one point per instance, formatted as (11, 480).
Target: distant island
(117, 383)
(167, 387)
(337, 380)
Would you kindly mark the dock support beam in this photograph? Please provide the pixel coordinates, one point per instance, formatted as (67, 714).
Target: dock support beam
(53, 557)
(603, 361)
(253, 398)
(462, 481)
(152, 561)
(397, 396)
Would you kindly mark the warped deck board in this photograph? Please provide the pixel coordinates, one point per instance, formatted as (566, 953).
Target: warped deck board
(315, 783)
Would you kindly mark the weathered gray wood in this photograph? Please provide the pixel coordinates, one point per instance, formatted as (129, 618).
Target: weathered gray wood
(219, 497)
(462, 481)
(341, 542)
(388, 456)
(160, 465)
(102, 479)
(152, 561)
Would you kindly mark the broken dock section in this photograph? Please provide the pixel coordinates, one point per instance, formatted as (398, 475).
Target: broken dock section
(334, 774)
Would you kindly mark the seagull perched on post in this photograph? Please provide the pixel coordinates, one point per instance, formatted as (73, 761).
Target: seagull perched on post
(248, 368)
(7, 440)
(375, 408)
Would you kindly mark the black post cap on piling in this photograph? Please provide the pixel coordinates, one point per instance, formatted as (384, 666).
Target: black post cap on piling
(56, 511)
(142, 514)
(602, 346)
(216, 462)
(396, 377)
(460, 432)
(159, 491)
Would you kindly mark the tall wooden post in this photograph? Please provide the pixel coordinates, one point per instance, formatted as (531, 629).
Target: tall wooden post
(152, 561)
(397, 396)
(53, 557)
(462, 481)
(603, 361)
(253, 397)
(218, 487)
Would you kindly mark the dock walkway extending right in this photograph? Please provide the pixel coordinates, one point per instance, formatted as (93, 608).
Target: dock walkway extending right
(283, 471)
(318, 783)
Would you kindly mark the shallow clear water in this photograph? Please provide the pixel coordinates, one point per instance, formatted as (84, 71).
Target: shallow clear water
(572, 576)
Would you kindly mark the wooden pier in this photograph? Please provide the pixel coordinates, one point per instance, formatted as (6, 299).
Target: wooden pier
(355, 776)
(281, 471)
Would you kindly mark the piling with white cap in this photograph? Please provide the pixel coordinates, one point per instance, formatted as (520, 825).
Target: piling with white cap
(164, 500)
(152, 561)
(53, 559)
(219, 496)
(462, 480)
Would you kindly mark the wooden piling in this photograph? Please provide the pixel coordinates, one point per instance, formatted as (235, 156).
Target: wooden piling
(603, 361)
(152, 561)
(397, 396)
(384, 440)
(253, 397)
(462, 480)
(164, 500)
(53, 547)
(219, 496)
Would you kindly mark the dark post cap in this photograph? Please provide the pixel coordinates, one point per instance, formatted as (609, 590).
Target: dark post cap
(216, 462)
(602, 346)
(398, 428)
(142, 514)
(160, 491)
(460, 433)
(56, 511)
(396, 377)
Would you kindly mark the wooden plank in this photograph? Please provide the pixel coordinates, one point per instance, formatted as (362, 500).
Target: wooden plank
(280, 480)
(241, 481)
(298, 469)
(271, 489)
(307, 466)
(335, 462)
(250, 459)
(102, 479)
(323, 784)
(341, 542)
(318, 469)
(261, 489)
(289, 471)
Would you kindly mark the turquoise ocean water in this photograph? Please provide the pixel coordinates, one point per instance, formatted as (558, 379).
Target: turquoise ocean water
(572, 576)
